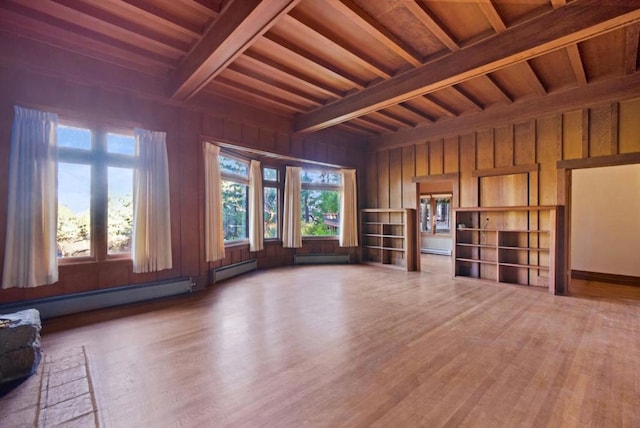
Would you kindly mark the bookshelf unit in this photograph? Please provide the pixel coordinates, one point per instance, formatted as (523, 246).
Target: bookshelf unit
(515, 245)
(388, 237)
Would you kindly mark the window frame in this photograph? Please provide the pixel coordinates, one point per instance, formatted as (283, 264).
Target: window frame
(273, 184)
(99, 160)
(320, 187)
(433, 198)
(240, 179)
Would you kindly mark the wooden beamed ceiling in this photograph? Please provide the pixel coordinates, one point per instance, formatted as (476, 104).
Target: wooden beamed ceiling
(387, 69)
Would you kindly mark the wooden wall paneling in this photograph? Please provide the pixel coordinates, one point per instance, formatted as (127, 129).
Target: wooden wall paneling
(395, 180)
(383, 180)
(322, 152)
(629, 129)
(212, 126)
(615, 129)
(296, 146)
(113, 274)
(549, 151)
(436, 157)
(142, 278)
(485, 149)
(422, 159)
(409, 194)
(503, 140)
(267, 139)
(524, 142)
(600, 137)
(282, 143)
(451, 155)
(232, 130)
(572, 132)
(371, 180)
(191, 194)
(468, 183)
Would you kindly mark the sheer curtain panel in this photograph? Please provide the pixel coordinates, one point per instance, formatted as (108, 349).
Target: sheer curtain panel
(256, 208)
(348, 209)
(30, 257)
(291, 224)
(151, 241)
(214, 236)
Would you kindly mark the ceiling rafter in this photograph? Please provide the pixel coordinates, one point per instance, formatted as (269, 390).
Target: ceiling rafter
(358, 128)
(200, 7)
(415, 110)
(534, 79)
(395, 118)
(237, 27)
(632, 36)
(437, 105)
(556, 29)
(491, 13)
(467, 98)
(250, 93)
(576, 64)
(426, 18)
(490, 81)
(367, 121)
(153, 14)
(295, 21)
(375, 30)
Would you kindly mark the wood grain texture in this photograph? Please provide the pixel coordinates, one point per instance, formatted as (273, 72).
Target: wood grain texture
(629, 131)
(361, 346)
(409, 197)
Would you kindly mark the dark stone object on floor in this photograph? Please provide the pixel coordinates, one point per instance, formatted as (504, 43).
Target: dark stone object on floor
(19, 345)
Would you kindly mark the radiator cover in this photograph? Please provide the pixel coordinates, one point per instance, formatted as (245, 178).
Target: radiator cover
(229, 271)
(307, 259)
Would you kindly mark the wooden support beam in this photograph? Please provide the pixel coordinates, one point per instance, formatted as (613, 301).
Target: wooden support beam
(491, 82)
(579, 20)
(235, 29)
(492, 15)
(534, 79)
(618, 89)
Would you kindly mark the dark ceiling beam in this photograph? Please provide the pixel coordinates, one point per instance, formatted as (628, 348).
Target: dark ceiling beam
(235, 29)
(534, 79)
(618, 89)
(492, 15)
(631, 48)
(556, 29)
(425, 17)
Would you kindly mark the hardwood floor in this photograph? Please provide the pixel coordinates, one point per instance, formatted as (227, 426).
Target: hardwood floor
(361, 346)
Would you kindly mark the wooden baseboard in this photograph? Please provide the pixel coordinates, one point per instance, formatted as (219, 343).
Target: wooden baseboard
(606, 277)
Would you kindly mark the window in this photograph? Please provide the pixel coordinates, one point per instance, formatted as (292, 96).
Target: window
(235, 189)
(271, 191)
(95, 187)
(435, 214)
(320, 202)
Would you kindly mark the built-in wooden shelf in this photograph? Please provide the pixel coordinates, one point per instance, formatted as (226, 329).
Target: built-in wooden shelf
(514, 245)
(388, 237)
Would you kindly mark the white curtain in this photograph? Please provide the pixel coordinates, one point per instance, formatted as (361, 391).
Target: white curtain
(291, 224)
(348, 209)
(214, 236)
(30, 257)
(256, 208)
(151, 241)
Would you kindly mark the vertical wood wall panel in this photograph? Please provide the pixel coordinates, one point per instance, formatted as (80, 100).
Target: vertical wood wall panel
(629, 130)
(468, 191)
(524, 136)
(395, 178)
(503, 146)
(436, 157)
(383, 180)
(600, 131)
(371, 181)
(572, 135)
(549, 152)
(408, 171)
(422, 159)
(485, 149)
(451, 160)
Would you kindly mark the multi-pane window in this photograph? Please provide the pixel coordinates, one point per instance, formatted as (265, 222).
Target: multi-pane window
(235, 188)
(435, 214)
(95, 192)
(320, 202)
(270, 190)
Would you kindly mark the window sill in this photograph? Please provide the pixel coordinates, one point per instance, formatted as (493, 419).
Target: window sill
(320, 238)
(238, 243)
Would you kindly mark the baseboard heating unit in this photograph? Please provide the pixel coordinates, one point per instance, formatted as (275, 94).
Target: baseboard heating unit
(229, 271)
(79, 302)
(309, 259)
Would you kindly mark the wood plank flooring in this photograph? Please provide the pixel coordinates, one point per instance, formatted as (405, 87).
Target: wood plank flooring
(360, 346)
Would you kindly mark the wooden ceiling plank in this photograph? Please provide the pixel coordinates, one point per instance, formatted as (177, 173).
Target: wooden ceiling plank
(577, 21)
(199, 7)
(97, 25)
(314, 62)
(424, 16)
(65, 38)
(155, 15)
(490, 12)
(300, 79)
(467, 98)
(253, 94)
(374, 124)
(372, 27)
(358, 57)
(534, 79)
(576, 64)
(558, 3)
(425, 117)
(436, 105)
(616, 89)
(489, 81)
(354, 127)
(631, 48)
(290, 90)
(397, 120)
(237, 27)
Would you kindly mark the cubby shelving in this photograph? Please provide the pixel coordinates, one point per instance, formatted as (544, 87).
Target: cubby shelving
(388, 237)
